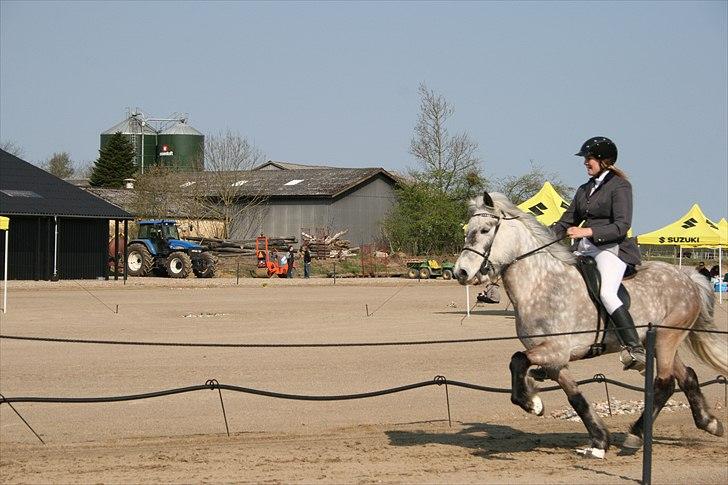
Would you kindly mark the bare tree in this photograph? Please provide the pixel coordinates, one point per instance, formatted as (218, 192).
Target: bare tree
(221, 191)
(446, 159)
(158, 194)
(522, 187)
(60, 165)
(84, 169)
(12, 148)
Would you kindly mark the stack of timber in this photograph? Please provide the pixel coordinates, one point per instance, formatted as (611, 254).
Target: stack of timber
(329, 246)
(242, 247)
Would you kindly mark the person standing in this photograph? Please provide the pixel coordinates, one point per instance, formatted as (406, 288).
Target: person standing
(291, 257)
(604, 206)
(306, 262)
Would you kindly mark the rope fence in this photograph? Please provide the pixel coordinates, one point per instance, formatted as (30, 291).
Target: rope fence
(330, 344)
(439, 380)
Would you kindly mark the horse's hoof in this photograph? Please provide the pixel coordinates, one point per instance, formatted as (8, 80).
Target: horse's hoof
(537, 406)
(715, 427)
(591, 452)
(633, 442)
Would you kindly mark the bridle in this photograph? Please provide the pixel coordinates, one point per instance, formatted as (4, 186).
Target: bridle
(486, 266)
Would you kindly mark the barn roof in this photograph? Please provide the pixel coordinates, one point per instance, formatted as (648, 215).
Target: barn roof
(28, 190)
(310, 182)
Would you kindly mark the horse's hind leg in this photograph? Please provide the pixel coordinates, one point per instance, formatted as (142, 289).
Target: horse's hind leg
(594, 425)
(688, 382)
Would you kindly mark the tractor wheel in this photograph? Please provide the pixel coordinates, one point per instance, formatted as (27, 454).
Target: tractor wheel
(425, 273)
(139, 261)
(205, 267)
(446, 274)
(413, 273)
(179, 265)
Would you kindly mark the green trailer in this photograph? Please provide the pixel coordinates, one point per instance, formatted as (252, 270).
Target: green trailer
(430, 268)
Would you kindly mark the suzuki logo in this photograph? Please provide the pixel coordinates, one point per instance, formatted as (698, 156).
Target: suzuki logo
(538, 209)
(687, 224)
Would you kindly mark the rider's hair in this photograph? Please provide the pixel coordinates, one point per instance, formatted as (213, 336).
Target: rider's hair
(608, 163)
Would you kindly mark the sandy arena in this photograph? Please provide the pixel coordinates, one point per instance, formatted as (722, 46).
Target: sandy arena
(398, 438)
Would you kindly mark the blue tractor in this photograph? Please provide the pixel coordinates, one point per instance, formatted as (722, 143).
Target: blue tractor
(158, 247)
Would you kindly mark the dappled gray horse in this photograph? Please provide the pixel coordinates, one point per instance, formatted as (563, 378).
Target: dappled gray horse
(549, 296)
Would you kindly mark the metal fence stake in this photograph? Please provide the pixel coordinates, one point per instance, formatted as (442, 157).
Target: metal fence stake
(440, 380)
(603, 378)
(722, 380)
(213, 384)
(23, 419)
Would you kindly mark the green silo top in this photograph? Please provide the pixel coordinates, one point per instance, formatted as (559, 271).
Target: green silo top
(181, 128)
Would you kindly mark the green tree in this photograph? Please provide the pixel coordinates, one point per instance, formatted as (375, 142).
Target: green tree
(60, 165)
(115, 163)
(425, 221)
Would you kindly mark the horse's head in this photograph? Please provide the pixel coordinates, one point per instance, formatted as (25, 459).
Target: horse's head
(473, 265)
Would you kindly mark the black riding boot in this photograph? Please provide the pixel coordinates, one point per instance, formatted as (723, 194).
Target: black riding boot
(633, 354)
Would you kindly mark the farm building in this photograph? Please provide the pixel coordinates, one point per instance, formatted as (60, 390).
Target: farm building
(57, 231)
(312, 199)
(281, 199)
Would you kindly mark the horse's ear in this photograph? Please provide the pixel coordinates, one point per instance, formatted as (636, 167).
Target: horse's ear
(487, 200)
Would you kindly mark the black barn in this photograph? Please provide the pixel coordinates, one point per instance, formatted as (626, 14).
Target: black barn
(57, 231)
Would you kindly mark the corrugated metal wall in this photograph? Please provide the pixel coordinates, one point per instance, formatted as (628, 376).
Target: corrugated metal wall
(361, 211)
(82, 248)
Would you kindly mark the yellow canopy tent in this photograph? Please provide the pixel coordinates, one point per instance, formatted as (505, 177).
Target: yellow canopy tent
(723, 232)
(547, 205)
(691, 230)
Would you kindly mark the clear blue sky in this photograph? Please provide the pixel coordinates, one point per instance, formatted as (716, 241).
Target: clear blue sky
(336, 83)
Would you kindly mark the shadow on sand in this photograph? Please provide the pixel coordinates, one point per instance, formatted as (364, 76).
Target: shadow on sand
(496, 441)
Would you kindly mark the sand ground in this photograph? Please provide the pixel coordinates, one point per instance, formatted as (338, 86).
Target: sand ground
(401, 438)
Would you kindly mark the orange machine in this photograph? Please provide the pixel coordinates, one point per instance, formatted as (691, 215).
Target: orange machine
(267, 267)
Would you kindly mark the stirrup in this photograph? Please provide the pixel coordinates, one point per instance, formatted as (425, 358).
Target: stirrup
(633, 358)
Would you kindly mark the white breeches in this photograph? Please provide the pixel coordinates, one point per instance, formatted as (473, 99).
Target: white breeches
(612, 270)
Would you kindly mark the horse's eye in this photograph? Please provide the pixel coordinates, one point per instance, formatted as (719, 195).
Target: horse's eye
(483, 231)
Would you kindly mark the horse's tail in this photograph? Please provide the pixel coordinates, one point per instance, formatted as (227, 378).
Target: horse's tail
(707, 346)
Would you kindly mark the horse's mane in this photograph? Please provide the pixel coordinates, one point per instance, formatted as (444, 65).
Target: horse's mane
(541, 233)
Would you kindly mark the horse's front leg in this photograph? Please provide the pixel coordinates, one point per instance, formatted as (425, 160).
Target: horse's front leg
(523, 388)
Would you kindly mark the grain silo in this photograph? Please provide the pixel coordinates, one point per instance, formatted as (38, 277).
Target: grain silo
(142, 137)
(181, 146)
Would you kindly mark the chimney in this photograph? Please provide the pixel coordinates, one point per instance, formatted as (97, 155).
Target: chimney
(129, 183)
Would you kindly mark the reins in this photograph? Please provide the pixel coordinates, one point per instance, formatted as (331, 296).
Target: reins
(486, 254)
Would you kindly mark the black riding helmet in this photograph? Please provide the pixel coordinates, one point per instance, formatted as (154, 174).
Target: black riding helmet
(599, 147)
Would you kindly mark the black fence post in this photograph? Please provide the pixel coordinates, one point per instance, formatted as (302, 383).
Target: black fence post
(649, 405)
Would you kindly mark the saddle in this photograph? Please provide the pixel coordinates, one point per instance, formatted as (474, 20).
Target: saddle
(588, 268)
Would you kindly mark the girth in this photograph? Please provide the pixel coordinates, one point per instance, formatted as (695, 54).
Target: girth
(588, 268)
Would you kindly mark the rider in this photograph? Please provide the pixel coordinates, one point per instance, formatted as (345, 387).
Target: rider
(604, 205)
